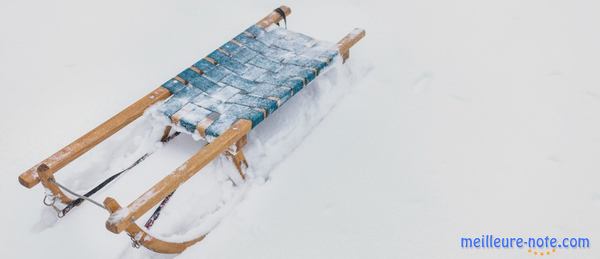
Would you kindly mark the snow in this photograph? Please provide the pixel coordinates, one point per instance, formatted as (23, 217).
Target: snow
(118, 215)
(450, 118)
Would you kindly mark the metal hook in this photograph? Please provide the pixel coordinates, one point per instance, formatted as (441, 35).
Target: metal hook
(59, 213)
(53, 200)
(134, 243)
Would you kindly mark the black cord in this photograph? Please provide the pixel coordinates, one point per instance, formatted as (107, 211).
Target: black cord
(156, 212)
(282, 13)
(78, 201)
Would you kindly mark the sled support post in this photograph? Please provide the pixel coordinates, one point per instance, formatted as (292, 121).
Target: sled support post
(236, 154)
(80, 146)
(348, 41)
(46, 180)
(165, 135)
(121, 219)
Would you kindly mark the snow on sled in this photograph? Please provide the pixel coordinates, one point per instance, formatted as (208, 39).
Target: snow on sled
(220, 99)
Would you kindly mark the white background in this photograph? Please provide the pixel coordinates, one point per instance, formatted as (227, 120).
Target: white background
(477, 117)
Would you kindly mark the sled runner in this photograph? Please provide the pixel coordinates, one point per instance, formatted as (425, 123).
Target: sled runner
(220, 98)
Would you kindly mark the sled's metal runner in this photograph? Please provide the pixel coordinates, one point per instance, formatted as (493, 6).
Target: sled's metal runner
(248, 98)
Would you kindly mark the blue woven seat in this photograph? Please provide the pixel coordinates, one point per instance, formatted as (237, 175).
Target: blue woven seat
(248, 77)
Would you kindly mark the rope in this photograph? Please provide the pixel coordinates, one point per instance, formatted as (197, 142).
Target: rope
(86, 196)
(77, 195)
(282, 13)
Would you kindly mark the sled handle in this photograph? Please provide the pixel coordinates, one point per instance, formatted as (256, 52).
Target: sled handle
(120, 219)
(349, 40)
(80, 146)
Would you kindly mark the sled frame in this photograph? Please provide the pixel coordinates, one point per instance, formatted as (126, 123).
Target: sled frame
(230, 144)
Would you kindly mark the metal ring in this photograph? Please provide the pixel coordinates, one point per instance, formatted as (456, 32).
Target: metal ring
(58, 211)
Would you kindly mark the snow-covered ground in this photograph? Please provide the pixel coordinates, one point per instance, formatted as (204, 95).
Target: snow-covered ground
(452, 118)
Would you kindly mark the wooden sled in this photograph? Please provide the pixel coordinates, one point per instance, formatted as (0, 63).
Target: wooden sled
(221, 98)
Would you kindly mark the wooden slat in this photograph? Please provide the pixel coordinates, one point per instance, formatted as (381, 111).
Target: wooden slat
(122, 218)
(274, 17)
(69, 153)
(166, 133)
